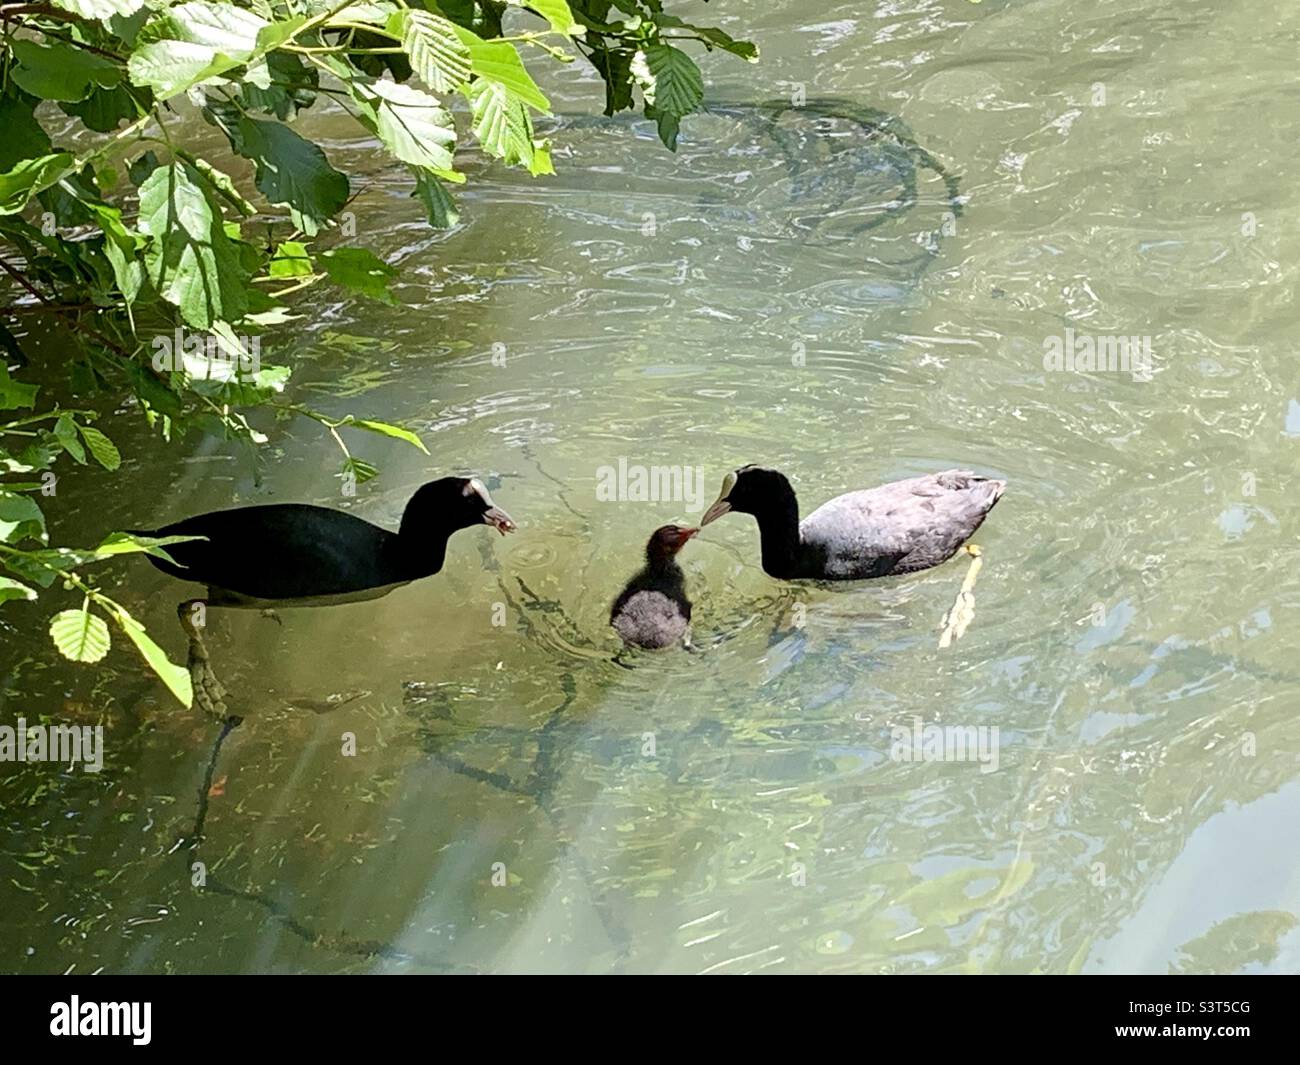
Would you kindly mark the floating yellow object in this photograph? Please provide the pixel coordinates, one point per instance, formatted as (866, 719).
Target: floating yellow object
(958, 619)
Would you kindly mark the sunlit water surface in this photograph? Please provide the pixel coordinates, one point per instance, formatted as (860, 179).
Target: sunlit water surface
(795, 292)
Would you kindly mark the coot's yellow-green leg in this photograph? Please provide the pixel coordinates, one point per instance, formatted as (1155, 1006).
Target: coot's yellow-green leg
(208, 692)
(956, 621)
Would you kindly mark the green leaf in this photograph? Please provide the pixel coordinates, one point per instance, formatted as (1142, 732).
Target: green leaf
(413, 125)
(221, 183)
(712, 37)
(19, 185)
(499, 61)
(12, 589)
(140, 168)
(24, 137)
(386, 429)
(195, 41)
(360, 470)
(361, 271)
(30, 568)
(58, 71)
(15, 394)
(293, 172)
(746, 50)
(100, 9)
(437, 54)
(123, 543)
(287, 86)
(290, 260)
(20, 518)
(190, 260)
(439, 207)
(615, 67)
(80, 635)
(503, 127)
(277, 33)
(120, 247)
(104, 109)
(672, 86)
(65, 431)
(101, 448)
(556, 12)
(177, 678)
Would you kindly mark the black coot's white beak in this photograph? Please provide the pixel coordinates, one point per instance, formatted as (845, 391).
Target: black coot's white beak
(499, 520)
(721, 507)
(718, 509)
(493, 515)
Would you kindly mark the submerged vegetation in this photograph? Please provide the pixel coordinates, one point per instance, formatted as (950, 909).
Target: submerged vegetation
(159, 270)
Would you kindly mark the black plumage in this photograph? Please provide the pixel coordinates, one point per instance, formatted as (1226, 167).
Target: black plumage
(296, 554)
(652, 611)
(900, 527)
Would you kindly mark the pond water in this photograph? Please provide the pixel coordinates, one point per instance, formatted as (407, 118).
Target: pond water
(796, 287)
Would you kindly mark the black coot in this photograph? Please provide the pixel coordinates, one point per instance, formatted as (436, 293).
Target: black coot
(293, 554)
(653, 610)
(899, 527)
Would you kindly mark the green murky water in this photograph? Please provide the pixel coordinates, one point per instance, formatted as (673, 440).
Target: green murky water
(1125, 169)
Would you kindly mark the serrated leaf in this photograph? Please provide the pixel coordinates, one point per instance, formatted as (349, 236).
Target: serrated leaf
(104, 109)
(27, 178)
(177, 678)
(501, 124)
(413, 125)
(65, 432)
(669, 78)
(499, 61)
(190, 260)
(101, 448)
(58, 71)
(437, 54)
(439, 207)
(120, 247)
(293, 172)
(672, 86)
(25, 137)
(222, 184)
(556, 12)
(20, 518)
(14, 394)
(291, 259)
(373, 12)
(289, 85)
(12, 589)
(712, 37)
(100, 9)
(358, 469)
(80, 635)
(361, 271)
(194, 41)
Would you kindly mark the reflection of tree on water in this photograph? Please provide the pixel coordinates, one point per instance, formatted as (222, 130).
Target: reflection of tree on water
(816, 153)
(339, 943)
(565, 747)
(837, 156)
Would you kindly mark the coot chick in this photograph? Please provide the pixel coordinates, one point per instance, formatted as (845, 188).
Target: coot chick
(899, 527)
(653, 611)
(294, 554)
